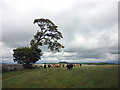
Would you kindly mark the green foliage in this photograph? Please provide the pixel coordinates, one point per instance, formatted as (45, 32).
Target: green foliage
(35, 66)
(47, 35)
(26, 55)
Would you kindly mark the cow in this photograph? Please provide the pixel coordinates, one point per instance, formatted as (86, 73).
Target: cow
(49, 66)
(80, 65)
(44, 65)
(69, 66)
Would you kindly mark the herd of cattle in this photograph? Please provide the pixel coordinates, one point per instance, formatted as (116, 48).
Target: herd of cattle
(69, 66)
(12, 67)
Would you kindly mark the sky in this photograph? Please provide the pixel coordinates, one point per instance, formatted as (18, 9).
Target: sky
(89, 28)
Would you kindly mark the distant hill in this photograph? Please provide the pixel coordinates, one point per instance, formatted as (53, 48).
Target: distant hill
(63, 62)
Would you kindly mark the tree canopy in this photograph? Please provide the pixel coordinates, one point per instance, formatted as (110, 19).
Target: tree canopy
(47, 35)
(26, 55)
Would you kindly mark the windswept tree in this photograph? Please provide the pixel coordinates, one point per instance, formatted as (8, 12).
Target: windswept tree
(47, 35)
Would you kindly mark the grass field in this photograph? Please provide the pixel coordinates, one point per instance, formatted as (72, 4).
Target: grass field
(96, 76)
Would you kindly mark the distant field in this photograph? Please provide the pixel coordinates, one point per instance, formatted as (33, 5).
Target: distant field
(93, 76)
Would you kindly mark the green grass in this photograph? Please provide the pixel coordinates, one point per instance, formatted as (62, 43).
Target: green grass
(98, 76)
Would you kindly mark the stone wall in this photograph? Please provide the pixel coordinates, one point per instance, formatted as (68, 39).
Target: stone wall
(12, 67)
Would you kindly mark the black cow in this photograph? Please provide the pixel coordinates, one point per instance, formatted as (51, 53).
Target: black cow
(44, 65)
(69, 66)
(80, 65)
(49, 66)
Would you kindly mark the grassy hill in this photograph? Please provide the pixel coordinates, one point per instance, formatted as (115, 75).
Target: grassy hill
(97, 76)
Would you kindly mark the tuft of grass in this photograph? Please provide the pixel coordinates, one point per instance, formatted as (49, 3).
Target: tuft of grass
(97, 76)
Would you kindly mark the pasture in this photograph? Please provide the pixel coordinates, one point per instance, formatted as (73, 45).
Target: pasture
(91, 76)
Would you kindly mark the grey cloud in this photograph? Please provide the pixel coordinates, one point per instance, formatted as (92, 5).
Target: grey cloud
(89, 29)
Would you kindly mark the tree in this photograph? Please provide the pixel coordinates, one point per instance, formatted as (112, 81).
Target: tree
(47, 35)
(26, 56)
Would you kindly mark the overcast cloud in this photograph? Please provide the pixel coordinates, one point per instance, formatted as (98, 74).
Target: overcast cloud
(89, 28)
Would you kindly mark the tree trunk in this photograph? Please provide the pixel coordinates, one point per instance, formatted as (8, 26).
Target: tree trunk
(28, 66)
